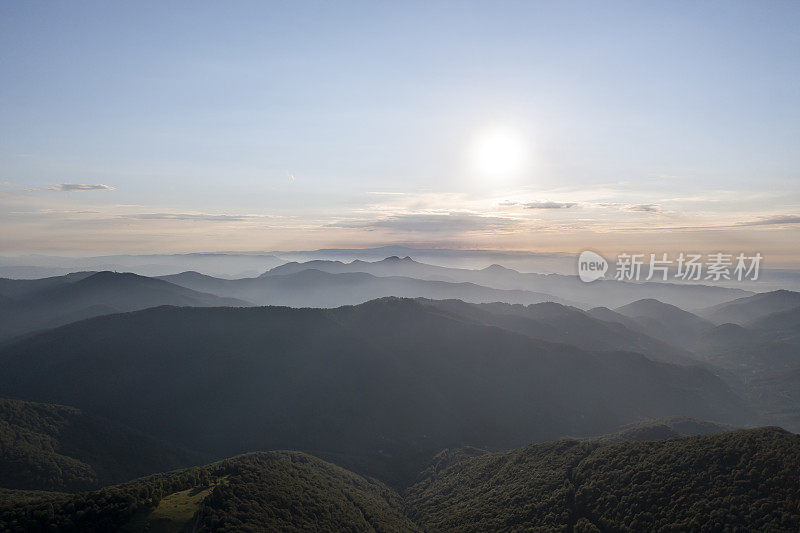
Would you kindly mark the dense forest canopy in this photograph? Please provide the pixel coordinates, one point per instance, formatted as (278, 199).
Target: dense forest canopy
(740, 479)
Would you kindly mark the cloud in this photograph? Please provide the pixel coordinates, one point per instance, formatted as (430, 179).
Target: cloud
(540, 205)
(71, 187)
(187, 216)
(434, 223)
(773, 220)
(549, 205)
(644, 208)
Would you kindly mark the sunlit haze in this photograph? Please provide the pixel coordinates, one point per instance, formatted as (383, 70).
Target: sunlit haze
(151, 127)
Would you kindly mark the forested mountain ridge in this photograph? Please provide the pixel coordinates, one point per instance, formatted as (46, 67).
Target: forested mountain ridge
(281, 490)
(378, 380)
(664, 428)
(60, 448)
(742, 479)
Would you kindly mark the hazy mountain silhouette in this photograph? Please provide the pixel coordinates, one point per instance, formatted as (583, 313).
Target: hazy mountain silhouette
(608, 293)
(558, 323)
(665, 322)
(21, 288)
(216, 264)
(293, 284)
(744, 310)
(724, 336)
(382, 379)
(315, 288)
(390, 266)
(787, 322)
(760, 362)
(50, 302)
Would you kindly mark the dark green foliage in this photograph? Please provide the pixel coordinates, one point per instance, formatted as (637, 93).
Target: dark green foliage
(54, 447)
(287, 491)
(499, 491)
(291, 491)
(13, 497)
(741, 480)
(744, 479)
(106, 509)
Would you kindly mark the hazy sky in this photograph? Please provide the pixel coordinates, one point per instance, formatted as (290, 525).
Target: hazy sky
(638, 126)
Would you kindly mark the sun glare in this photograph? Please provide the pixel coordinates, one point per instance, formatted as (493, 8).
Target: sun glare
(499, 152)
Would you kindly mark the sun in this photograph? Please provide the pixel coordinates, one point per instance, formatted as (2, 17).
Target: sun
(499, 152)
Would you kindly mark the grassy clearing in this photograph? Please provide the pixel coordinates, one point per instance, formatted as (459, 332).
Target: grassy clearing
(174, 514)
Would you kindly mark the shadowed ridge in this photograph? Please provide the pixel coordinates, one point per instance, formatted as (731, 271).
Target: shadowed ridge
(97, 294)
(751, 308)
(379, 381)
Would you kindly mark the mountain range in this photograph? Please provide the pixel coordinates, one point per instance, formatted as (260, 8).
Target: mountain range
(560, 287)
(408, 397)
(378, 380)
(29, 305)
(315, 288)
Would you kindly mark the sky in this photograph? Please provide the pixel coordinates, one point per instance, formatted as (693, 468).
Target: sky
(140, 127)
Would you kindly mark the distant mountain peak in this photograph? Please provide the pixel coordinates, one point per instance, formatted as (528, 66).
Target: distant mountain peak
(649, 304)
(751, 308)
(649, 301)
(111, 274)
(497, 268)
(396, 259)
(108, 275)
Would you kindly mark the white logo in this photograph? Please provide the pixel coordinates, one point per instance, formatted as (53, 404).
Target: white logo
(591, 266)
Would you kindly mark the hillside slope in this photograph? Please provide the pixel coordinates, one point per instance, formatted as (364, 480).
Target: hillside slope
(665, 322)
(559, 323)
(267, 491)
(40, 304)
(742, 479)
(744, 310)
(59, 448)
(664, 428)
(382, 379)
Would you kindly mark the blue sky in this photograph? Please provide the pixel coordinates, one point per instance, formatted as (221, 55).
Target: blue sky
(295, 125)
